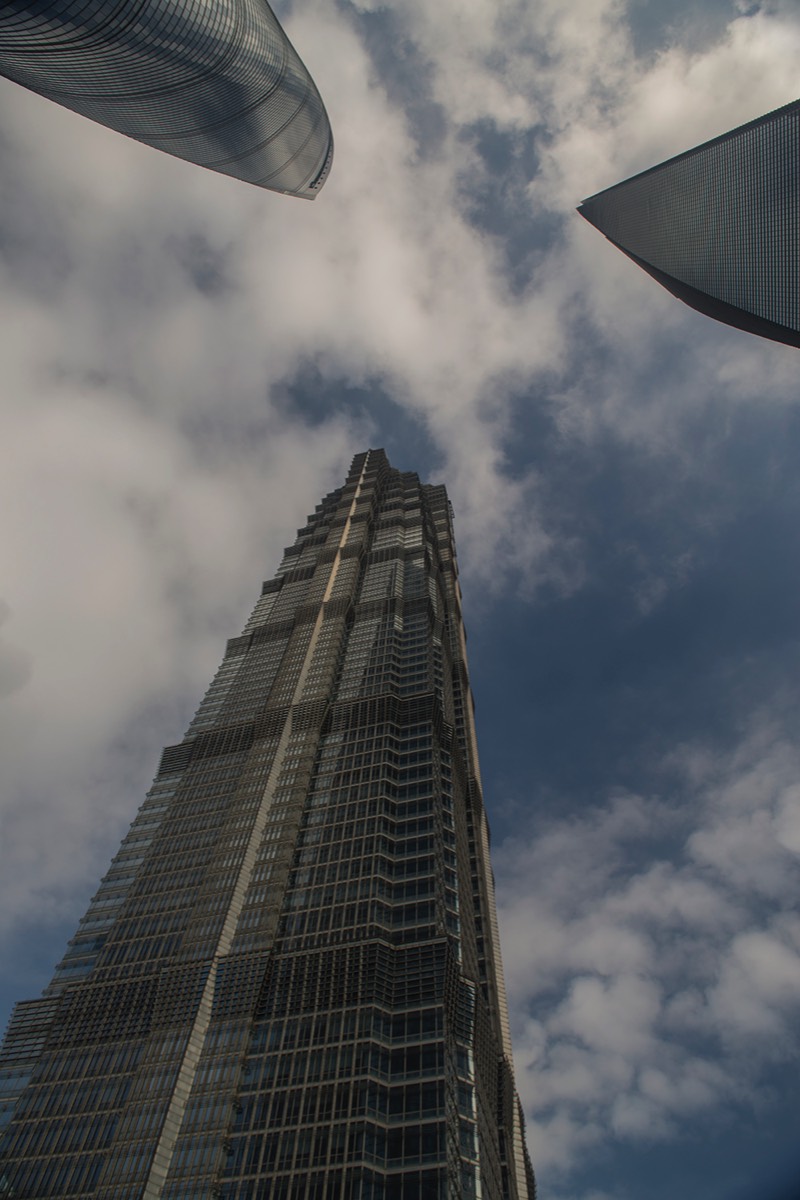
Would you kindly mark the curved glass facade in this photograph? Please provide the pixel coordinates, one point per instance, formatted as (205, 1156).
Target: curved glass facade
(289, 983)
(719, 226)
(217, 83)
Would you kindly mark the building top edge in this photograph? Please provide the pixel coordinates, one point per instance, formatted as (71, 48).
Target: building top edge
(784, 110)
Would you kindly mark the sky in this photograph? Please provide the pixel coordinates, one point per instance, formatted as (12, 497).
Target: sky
(188, 364)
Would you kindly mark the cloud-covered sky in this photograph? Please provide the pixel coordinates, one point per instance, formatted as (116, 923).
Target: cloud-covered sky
(188, 364)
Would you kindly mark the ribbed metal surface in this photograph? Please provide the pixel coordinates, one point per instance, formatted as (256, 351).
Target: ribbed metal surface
(216, 83)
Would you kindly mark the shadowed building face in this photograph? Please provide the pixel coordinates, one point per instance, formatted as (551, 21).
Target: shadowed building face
(289, 982)
(217, 84)
(719, 226)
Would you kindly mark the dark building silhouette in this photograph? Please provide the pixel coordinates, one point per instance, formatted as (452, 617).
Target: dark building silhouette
(719, 226)
(217, 83)
(288, 985)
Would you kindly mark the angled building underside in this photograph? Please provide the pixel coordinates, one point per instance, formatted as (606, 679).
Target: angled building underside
(216, 83)
(288, 985)
(719, 226)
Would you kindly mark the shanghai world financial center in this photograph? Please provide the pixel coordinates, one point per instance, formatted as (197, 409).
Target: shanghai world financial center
(719, 225)
(288, 985)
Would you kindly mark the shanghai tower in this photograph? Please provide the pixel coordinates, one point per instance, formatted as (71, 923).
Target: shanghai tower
(219, 84)
(288, 986)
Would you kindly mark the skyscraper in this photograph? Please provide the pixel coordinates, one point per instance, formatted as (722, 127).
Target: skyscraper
(288, 984)
(719, 226)
(218, 84)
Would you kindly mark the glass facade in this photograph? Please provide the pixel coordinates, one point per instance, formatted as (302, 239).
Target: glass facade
(218, 83)
(289, 984)
(719, 226)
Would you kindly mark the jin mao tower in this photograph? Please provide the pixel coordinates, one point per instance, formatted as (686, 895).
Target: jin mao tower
(288, 984)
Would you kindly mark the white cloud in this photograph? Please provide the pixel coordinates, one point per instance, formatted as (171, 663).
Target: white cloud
(611, 1016)
(788, 818)
(133, 560)
(758, 988)
(630, 966)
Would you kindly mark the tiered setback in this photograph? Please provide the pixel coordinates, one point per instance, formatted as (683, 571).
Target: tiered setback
(289, 983)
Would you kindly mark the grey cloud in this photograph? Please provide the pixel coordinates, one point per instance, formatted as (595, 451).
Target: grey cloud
(206, 265)
(16, 664)
(15, 669)
(402, 67)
